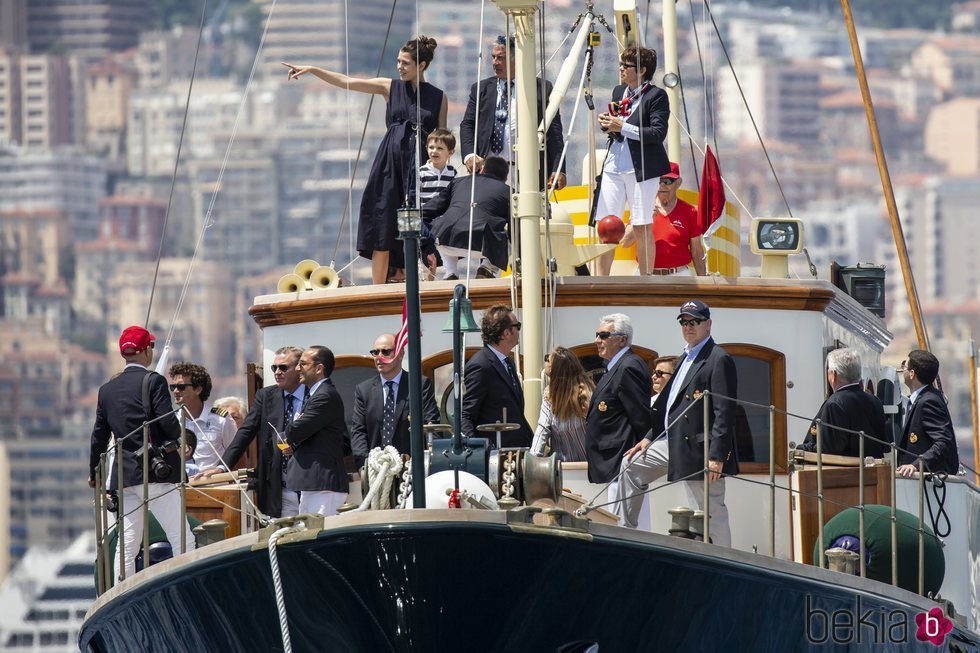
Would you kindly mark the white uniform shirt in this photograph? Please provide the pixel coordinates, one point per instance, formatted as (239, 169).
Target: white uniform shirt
(214, 436)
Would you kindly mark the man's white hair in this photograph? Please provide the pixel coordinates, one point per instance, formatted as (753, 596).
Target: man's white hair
(621, 324)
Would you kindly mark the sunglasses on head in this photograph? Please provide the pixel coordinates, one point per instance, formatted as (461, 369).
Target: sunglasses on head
(387, 351)
(179, 386)
(691, 322)
(280, 368)
(660, 373)
(602, 335)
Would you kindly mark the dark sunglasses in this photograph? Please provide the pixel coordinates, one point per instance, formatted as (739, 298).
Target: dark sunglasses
(602, 335)
(179, 386)
(152, 345)
(627, 65)
(515, 325)
(667, 182)
(903, 367)
(691, 322)
(280, 368)
(387, 351)
(547, 357)
(661, 373)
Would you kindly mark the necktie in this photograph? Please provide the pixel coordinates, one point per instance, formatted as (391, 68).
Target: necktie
(509, 364)
(388, 415)
(287, 418)
(500, 119)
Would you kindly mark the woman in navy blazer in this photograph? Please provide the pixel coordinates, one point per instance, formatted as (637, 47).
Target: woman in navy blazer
(637, 126)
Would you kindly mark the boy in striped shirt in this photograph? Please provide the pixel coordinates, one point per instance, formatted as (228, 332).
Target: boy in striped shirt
(435, 175)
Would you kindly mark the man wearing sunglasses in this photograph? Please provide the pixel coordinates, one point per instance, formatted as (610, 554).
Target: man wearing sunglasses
(928, 430)
(121, 410)
(619, 411)
(381, 412)
(273, 407)
(702, 367)
(191, 388)
(491, 381)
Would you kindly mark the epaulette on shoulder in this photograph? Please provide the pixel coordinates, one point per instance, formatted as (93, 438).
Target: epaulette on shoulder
(219, 411)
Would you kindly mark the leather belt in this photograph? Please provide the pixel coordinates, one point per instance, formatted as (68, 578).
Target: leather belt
(663, 272)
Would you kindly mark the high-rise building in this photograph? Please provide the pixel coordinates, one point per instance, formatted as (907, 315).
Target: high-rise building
(107, 87)
(13, 24)
(41, 100)
(318, 33)
(88, 28)
(64, 179)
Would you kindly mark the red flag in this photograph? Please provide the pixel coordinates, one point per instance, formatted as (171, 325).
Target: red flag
(711, 202)
(401, 338)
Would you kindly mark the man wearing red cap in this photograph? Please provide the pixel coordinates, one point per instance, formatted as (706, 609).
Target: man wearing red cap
(128, 400)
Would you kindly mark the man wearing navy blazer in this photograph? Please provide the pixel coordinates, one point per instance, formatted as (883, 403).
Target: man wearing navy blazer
(120, 411)
(316, 439)
(928, 433)
(494, 136)
(702, 367)
(491, 381)
(619, 412)
(381, 412)
(848, 407)
(267, 416)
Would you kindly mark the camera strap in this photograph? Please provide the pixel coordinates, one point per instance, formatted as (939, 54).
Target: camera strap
(147, 405)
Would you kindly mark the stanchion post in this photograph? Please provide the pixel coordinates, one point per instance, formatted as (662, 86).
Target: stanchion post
(120, 512)
(707, 480)
(894, 455)
(820, 542)
(861, 502)
(772, 481)
(146, 495)
(183, 480)
(98, 499)
(922, 532)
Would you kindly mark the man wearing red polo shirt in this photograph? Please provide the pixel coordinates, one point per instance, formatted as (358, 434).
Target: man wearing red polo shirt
(676, 230)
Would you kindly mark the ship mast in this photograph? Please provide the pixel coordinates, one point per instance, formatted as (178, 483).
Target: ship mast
(529, 198)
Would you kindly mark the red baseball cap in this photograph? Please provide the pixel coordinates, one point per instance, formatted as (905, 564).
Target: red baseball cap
(135, 339)
(675, 171)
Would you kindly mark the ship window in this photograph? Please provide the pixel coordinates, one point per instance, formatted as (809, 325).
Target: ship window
(349, 370)
(762, 381)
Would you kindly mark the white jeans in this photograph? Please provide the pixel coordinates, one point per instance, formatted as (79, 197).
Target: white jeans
(165, 505)
(290, 503)
(631, 496)
(321, 502)
(618, 189)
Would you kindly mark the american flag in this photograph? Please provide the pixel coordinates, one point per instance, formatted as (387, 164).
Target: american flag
(401, 338)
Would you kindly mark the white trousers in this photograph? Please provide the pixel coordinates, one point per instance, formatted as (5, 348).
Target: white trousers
(321, 502)
(290, 503)
(165, 505)
(718, 530)
(631, 497)
(620, 189)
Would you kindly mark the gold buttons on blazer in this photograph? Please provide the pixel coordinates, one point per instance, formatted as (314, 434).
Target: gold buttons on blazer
(602, 407)
(913, 438)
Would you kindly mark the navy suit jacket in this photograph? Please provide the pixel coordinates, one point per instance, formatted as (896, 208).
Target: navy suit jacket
(479, 143)
(268, 406)
(935, 442)
(618, 416)
(648, 153)
(120, 412)
(368, 411)
(714, 370)
(850, 408)
(317, 437)
(488, 391)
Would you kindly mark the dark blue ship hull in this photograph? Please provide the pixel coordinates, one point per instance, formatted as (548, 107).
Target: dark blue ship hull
(439, 584)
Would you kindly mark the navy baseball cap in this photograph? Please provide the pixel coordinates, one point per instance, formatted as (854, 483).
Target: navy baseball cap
(695, 308)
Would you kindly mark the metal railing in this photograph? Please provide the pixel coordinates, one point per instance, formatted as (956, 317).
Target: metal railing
(822, 500)
(105, 525)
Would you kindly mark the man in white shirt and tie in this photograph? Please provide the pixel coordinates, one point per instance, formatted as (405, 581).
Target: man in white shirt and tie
(381, 413)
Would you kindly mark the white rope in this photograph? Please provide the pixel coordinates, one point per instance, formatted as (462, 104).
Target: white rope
(287, 645)
(383, 467)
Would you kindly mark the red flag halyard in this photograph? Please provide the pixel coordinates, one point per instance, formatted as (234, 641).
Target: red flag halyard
(711, 201)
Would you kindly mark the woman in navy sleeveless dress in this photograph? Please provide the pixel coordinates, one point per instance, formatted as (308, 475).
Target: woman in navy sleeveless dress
(395, 168)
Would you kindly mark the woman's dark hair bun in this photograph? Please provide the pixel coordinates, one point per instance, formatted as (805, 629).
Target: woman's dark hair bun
(421, 48)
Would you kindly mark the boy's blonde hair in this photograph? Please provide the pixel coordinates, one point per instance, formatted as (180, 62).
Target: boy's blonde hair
(443, 136)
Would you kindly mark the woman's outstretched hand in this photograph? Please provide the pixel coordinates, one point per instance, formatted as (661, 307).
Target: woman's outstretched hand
(295, 71)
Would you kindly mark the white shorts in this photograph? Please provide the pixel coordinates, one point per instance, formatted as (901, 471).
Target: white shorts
(617, 188)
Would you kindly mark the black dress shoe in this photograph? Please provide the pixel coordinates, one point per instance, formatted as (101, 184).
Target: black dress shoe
(450, 277)
(483, 272)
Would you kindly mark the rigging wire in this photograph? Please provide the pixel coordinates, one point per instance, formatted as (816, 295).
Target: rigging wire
(476, 136)
(360, 146)
(173, 178)
(350, 171)
(708, 107)
(727, 185)
(731, 67)
(221, 173)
